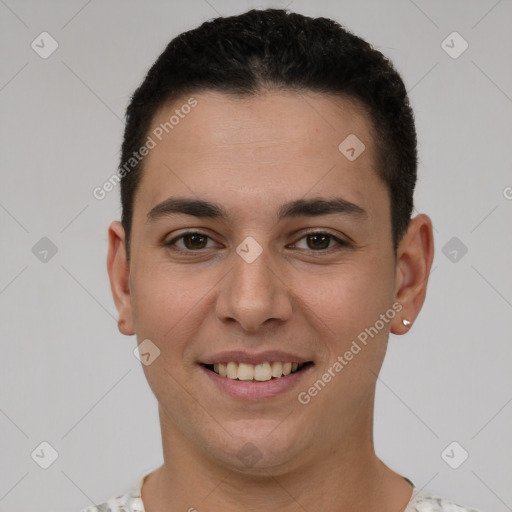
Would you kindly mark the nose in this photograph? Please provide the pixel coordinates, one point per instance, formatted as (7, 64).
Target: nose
(254, 293)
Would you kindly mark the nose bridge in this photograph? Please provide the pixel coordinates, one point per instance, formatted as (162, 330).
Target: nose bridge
(254, 292)
(251, 269)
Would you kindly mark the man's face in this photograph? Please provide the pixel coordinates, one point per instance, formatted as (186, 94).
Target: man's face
(214, 297)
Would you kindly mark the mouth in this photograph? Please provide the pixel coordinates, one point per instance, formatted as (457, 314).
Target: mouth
(261, 372)
(253, 376)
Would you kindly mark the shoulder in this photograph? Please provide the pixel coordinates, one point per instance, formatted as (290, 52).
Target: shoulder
(425, 501)
(129, 502)
(123, 503)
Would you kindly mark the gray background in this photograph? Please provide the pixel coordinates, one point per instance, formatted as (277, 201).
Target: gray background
(69, 378)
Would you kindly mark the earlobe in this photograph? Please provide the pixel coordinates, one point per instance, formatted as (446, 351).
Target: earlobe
(415, 254)
(119, 275)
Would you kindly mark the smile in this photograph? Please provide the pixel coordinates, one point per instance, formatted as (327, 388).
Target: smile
(255, 376)
(255, 372)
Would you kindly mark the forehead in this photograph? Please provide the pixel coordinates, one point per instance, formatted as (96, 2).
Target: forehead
(262, 120)
(282, 143)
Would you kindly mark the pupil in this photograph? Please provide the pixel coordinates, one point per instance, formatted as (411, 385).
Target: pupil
(195, 238)
(325, 238)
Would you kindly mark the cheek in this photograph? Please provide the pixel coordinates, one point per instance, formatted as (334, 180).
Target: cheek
(164, 303)
(166, 309)
(347, 301)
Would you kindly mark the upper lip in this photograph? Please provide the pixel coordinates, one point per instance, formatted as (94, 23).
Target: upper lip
(242, 356)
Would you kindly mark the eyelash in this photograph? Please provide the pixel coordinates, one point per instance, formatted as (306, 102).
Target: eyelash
(341, 243)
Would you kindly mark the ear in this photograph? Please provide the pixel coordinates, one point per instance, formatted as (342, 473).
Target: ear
(119, 275)
(415, 254)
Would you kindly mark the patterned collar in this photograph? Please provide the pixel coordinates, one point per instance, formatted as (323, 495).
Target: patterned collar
(421, 501)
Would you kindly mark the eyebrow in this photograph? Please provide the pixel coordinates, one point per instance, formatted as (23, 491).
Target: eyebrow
(298, 208)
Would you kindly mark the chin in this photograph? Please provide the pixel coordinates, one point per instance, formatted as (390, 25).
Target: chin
(257, 446)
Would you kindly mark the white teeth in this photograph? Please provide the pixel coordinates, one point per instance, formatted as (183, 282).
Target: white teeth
(260, 372)
(245, 371)
(277, 369)
(232, 370)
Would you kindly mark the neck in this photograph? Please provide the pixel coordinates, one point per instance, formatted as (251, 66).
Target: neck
(341, 476)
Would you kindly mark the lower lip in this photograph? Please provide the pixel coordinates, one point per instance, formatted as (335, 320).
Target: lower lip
(256, 390)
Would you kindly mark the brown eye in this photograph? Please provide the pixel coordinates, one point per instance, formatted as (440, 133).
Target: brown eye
(190, 241)
(318, 240)
(194, 241)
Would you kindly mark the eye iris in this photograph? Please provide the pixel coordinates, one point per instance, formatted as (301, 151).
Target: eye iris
(325, 239)
(195, 237)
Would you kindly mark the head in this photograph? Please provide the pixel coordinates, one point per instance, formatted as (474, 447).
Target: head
(296, 249)
(242, 56)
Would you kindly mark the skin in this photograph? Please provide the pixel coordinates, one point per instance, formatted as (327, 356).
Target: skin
(251, 155)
